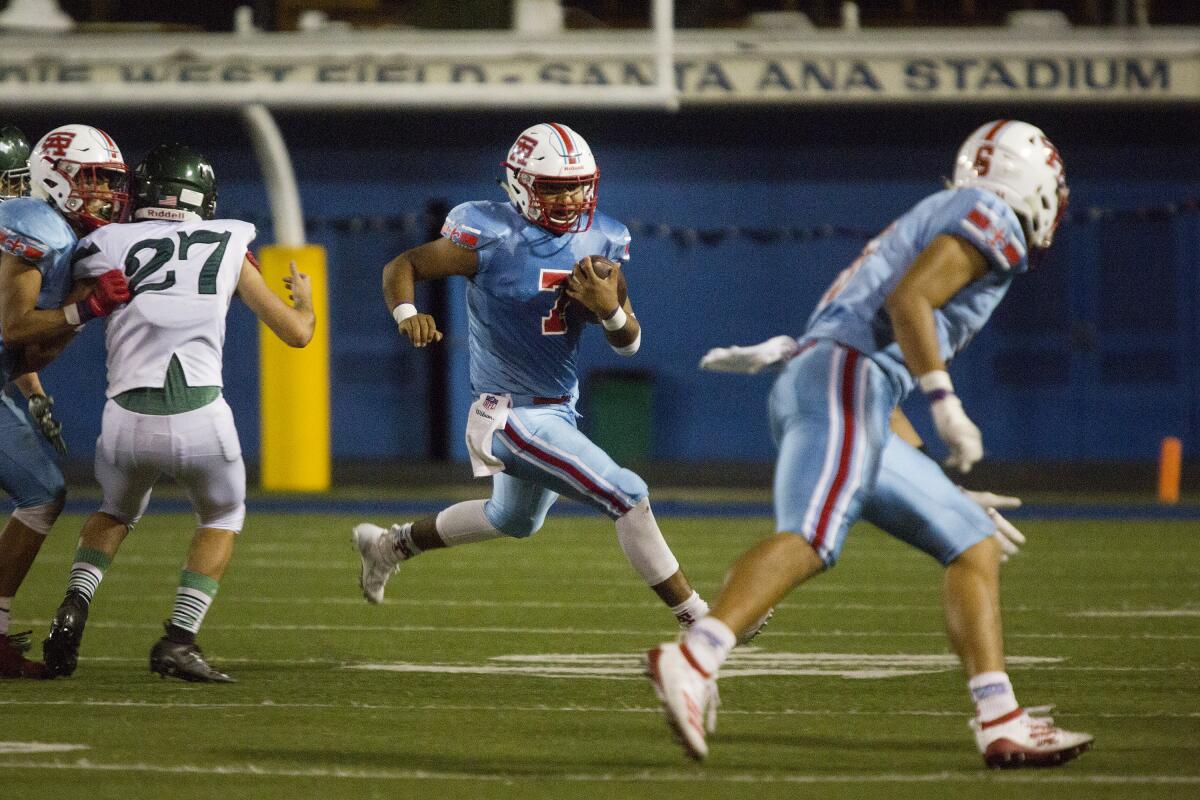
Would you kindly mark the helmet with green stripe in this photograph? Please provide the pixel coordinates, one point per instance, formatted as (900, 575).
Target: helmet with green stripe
(174, 182)
(14, 163)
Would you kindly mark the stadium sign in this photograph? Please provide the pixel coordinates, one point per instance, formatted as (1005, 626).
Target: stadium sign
(382, 72)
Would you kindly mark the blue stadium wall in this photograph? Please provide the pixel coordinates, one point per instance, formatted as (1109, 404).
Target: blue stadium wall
(741, 218)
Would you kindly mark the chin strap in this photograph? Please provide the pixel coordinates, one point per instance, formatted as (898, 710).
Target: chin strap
(512, 196)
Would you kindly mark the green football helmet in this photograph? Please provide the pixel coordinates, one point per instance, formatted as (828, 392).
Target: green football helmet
(174, 182)
(14, 163)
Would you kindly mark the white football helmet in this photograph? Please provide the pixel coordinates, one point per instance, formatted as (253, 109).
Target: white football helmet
(80, 170)
(1015, 161)
(551, 177)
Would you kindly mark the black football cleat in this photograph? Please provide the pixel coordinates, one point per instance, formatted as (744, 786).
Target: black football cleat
(60, 650)
(184, 661)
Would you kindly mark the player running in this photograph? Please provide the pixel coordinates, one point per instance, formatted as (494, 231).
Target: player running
(526, 261)
(78, 180)
(915, 297)
(165, 413)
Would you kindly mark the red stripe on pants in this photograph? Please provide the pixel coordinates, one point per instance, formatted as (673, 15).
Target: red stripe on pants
(847, 453)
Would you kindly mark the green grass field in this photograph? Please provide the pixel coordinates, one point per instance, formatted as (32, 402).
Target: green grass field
(510, 670)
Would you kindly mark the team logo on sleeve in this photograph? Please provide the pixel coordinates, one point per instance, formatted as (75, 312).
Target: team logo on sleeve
(461, 235)
(20, 246)
(985, 228)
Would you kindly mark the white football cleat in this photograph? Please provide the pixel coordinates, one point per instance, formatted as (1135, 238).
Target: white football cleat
(1020, 740)
(689, 696)
(379, 559)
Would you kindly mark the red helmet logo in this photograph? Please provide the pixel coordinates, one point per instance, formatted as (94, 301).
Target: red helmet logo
(521, 150)
(55, 144)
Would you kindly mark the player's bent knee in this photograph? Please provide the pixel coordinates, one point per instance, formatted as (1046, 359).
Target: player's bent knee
(632, 484)
(519, 527)
(40, 518)
(818, 559)
(227, 518)
(983, 554)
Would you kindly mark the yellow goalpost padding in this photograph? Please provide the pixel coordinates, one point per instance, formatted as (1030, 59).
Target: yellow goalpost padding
(294, 384)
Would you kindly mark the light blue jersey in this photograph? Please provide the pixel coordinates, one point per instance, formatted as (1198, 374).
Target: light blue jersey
(522, 340)
(35, 232)
(852, 310)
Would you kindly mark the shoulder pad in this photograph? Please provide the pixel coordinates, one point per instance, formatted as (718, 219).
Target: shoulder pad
(242, 227)
(30, 229)
(618, 238)
(987, 222)
(475, 225)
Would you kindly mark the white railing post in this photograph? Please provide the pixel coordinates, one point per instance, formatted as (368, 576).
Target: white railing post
(276, 165)
(664, 52)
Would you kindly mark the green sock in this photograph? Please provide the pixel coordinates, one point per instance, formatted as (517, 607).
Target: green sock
(192, 599)
(87, 572)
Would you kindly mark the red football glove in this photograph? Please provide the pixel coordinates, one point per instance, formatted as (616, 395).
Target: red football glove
(111, 291)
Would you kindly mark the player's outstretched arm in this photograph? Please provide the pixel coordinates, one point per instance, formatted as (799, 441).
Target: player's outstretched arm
(942, 269)
(294, 324)
(437, 259)
(23, 323)
(750, 359)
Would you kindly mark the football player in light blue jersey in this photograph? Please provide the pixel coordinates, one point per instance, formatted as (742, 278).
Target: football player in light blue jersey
(78, 181)
(533, 282)
(891, 322)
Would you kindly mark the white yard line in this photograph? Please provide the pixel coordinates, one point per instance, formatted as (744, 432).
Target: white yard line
(648, 632)
(29, 748)
(271, 705)
(981, 776)
(1146, 613)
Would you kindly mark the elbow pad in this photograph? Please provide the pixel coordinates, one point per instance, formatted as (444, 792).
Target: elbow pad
(630, 348)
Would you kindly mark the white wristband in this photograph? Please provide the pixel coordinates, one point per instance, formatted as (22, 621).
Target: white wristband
(616, 321)
(403, 312)
(71, 312)
(935, 381)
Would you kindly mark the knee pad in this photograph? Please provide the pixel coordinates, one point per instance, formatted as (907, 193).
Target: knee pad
(40, 518)
(516, 525)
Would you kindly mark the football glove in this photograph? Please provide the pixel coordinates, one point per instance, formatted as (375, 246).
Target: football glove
(111, 291)
(40, 408)
(1006, 533)
(752, 359)
(953, 425)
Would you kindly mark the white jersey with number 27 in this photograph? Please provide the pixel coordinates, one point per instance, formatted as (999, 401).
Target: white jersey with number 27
(182, 276)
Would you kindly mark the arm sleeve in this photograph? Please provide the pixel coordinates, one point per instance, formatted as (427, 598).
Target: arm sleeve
(471, 227)
(990, 225)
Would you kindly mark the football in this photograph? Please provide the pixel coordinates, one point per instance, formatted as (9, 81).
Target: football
(603, 267)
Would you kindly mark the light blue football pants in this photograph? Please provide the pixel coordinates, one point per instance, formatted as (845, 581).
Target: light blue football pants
(545, 455)
(838, 461)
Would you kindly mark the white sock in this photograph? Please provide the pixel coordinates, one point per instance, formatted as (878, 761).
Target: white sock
(690, 611)
(993, 695)
(644, 545)
(5, 614)
(709, 642)
(465, 523)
